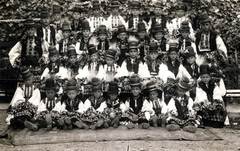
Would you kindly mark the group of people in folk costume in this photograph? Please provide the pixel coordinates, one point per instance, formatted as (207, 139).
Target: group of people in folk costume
(97, 72)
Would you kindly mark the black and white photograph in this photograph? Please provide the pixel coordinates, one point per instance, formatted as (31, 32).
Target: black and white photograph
(126, 75)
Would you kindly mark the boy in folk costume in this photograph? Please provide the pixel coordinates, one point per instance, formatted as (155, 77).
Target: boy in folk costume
(72, 108)
(144, 40)
(132, 65)
(174, 65)
(83, 42)
(24, 102)
(113, 104)
(115, 19)
(95, 104)
(94, 67)
(136, 109)
(28, 50)
(209, 102)
(96, 19)
(156, 99)
(104, 43)
(76, 24)
(57, 21)
(54, 68)
(46, 31)
(48, 111)
(180, 109)
(72, 66)
(159, 16)
(122, 43)
(154, 65)
(192, 67)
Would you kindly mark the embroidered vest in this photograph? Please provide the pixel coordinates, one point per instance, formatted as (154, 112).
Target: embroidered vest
(72, 107)
(53, 33)
(37, 47)
(133, 67)
(181, 106)
(96, 104)
(209, 90)
(139, 103)
(173, 69)
(212, 42)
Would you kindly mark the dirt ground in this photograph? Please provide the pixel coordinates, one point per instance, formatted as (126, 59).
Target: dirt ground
(231, 141)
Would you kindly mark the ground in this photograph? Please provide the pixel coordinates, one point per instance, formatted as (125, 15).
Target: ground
(229, 135)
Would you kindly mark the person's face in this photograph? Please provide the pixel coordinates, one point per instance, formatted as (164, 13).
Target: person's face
(29, 81)
(46, 21)
(109, 61)
(76, 15)
(123, 36)
(72, 94)
(54, 58)
(153, 95)
(112, 96)
(153, 55)
(135, 91)
(97, 93)
(142, 34)
(205, 78)
(135, 12)
(173, 55)
(73, 59)
(206, 27)
(96, 11)
(185, 34)
(102, 37)
(86, 33)
(66, 34)
(158, 11)
(133, 53)
(31, 32)
(50, 94)
(94, 57)
(180, 13)
(191, 59)
(181, 92)
(57, 17)
(115, 11)
(158, 36)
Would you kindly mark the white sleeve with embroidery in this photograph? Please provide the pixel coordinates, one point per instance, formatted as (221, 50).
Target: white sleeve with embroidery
(41, 107)
(17, 98)
(45, 73)
(62, 74)
(164, 107)
(36, 97)
(220, 45)
(171, 108)
(58, 107)
(15, 53)
(81, 107)
(102, 107)
(87, 105)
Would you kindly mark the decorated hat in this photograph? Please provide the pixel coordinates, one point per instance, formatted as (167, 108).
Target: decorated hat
(66, 26)
(185, 84)
(111, 53)
(204, 69)
(115, 3)
(152, 86)
(132, 42)
(158, 5)
(45, 13)
(113, 87)
(102, 29)
(157, 28)
(71, 50)
(96, 5)
(135, 81)
(52, 51)
(29, 23)
(141, 27)
(50, 84)
(190, 51)
(91, 49)
(121, 29)
(204, 18)
(153, 47)
(77, 8)
(184, 26)
(135, 5)
(72, 85)
(180, 7)
(56, 9)
(25, 72)
(96, 84)
(85, 25)
(173, 47)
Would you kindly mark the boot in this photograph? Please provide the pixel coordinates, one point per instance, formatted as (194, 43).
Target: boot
(99, 123)
(105, 124)
(191, 129)
(85, 126)
(93, 126)
(68, 123)
(144, 125)
(155, 122)
(130, 125)
(173, 127)
(79, 124)
(49, 122)
(31, 126)
(164, 121)
(13, 123)
(115, 122)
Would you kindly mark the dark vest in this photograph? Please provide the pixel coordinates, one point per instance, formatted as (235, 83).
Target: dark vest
(139, 103)
(112, 105)
(173, 69)
(78, 27)
(163, 21)
(194, 73)
(98, 103)
(74, 106)
(106, 46)
(209, 90)
(37, 48)
(132, 67)
(182, 108)
(146, 41)
(53, 33)
(130, 22)
(213, 44)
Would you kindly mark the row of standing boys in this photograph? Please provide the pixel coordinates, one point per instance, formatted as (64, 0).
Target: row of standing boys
(111, 71)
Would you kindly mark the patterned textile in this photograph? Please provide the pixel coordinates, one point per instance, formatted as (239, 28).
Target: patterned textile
(133, 67)
(24, 108)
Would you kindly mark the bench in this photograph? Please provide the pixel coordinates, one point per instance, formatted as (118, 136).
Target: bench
(232, 96)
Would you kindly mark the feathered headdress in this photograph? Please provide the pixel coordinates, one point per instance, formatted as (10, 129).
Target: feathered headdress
(132, 42)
